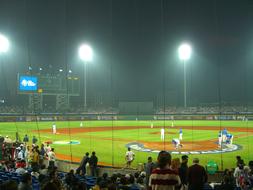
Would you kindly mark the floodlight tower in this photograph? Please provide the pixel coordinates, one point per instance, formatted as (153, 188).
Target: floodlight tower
(85, 54)
(184, 52)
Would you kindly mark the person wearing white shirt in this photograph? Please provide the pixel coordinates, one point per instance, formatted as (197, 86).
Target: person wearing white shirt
(51, 158)
(129, 157)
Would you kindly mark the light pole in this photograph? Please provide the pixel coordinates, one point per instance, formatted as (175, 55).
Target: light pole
(85, 54)
(184, 52)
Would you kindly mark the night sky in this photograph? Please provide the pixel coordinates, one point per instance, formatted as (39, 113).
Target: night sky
(135, 46)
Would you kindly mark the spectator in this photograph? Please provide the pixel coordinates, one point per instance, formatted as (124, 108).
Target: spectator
(197, 176)
(183, 170)
(35, 172)
(83, 164)
(132, 183)
(241, 175)
(26, 182)
(21, 153)
(43, 169)
(163, 177)
(226, 184)
(27, 156)
(140, 182)
(70, 179)
(20, 165)
(42, 154)
(123, 183)
(35, 158)
(51, 158)
(54, 178)
(175, 164)
(149, 166)
(9, 185)
(50, 186)
(93, 164)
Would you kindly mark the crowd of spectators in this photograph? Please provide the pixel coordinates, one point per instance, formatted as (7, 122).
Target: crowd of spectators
(211, 109)
(50, 109)
(32, 168)
(207, 109)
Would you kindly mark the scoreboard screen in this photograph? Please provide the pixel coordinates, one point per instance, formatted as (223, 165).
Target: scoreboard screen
(28, 83)
(48, 84)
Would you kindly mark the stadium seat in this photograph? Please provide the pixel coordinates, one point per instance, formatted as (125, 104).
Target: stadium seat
(4, 177)
(15, 179)
(36, 186)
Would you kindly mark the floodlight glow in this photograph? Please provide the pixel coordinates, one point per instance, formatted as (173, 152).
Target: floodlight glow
(70, 71)
(4, 44)
(184, 52)
(40, 69)
(60, 70)
(85, 52)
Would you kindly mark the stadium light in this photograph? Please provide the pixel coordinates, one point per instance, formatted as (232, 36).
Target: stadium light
(70, 71)
(184, 53)
(4, 44)
(85, 54)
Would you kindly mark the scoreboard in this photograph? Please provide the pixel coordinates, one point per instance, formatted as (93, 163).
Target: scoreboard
(48, 84)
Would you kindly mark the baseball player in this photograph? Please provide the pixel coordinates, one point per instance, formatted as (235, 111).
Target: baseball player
(162, 134)
(180, 134)
(220, 139)
(176, 143)
(54, 128)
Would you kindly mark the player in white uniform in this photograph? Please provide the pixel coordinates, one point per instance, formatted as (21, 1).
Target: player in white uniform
(81, 124)
(54, 128)
(162, 134)
(219, 139)
(151, 125)
(172, 123)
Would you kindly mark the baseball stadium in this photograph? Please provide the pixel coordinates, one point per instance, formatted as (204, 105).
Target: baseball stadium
(112, 76)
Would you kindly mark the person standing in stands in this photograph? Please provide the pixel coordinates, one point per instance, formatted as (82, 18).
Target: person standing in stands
(164, 178)
(51, 158)
(25, 182)
(183, 170)
(93, 161)
(148, 169)
(83, 164)
(197, 176)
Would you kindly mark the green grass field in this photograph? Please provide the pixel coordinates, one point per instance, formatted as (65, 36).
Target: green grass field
(110, 145)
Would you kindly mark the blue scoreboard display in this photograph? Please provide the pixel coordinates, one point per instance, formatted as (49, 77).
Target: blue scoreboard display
(28, 83)
(48, 84)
